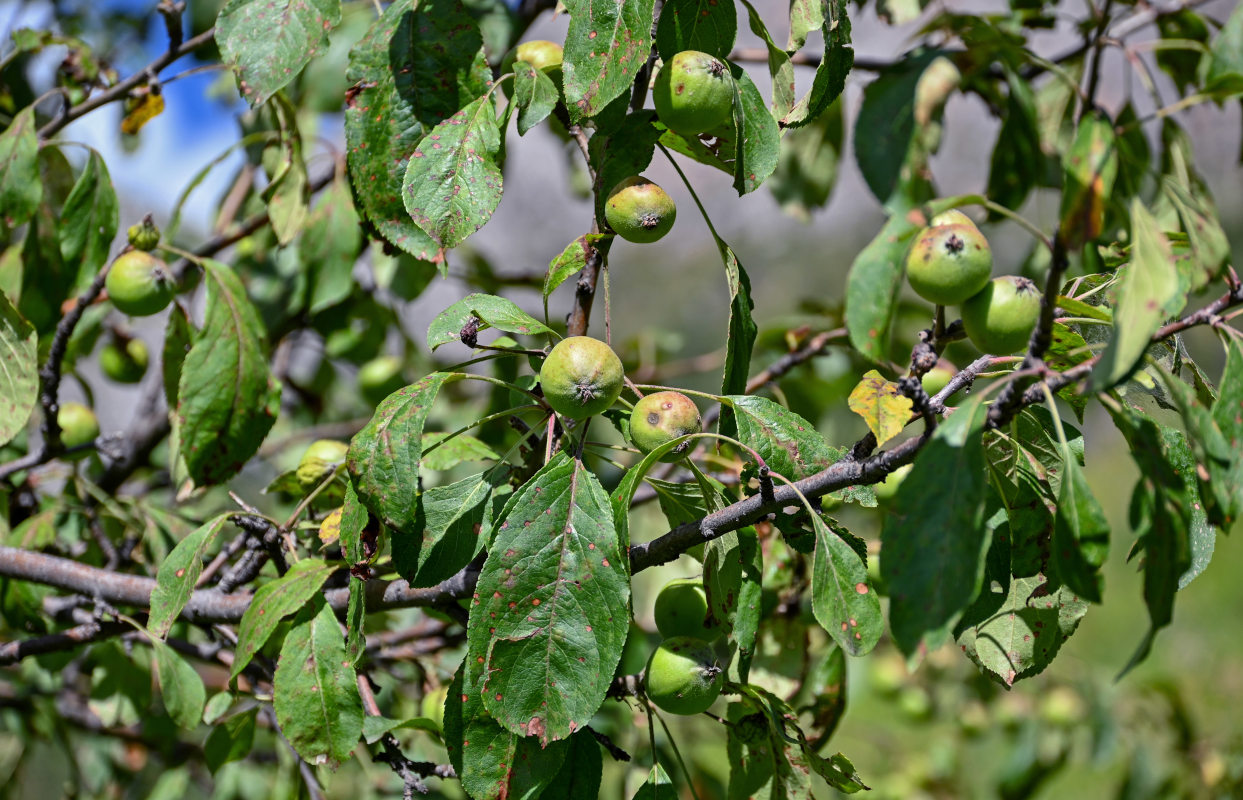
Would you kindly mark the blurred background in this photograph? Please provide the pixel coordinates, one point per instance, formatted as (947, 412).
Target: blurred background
(1169, 728)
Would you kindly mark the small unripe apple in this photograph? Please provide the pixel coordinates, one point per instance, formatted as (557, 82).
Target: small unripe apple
(682, 610)
(639, 210)
(951, 217)
(380, 377)
(662, 417)
(1001, 317)
(683, 676)
(124, 361)
(144, 235)
(78, 426)
(318, 462)
(937, 378)
(949, 263)
(581, 377)
(694, 93)
(539, 53)
(139, 284)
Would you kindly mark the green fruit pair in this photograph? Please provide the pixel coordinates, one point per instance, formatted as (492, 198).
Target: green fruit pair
(683, 676)
(581, 377)
(639, 210)
(124, 360)
(660, 418)
(694, 93)
(139, 284)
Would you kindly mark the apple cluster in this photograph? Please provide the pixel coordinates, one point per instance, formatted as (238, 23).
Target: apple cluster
(950, 263)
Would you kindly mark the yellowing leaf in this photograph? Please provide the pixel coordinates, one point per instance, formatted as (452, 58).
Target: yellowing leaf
(141, 110)
(330, 528)
(882, 407)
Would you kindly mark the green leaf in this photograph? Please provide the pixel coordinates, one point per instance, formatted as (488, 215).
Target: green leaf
(452, 182)
(374, 728)
(789, 444)
(1228, 415)
(740, 333)
(178, 339)
(657, 786)
(88, 220)
(605, 47)
(873, 285)
(315, 690)
(21, 188)
(882, 406)
(1206, 241)
(288, 192)
(459, 449)
(1223, 69)
(1080, 534)
(274, 601)
(231, 740)
(180, 686)
(1147, 293)
(19, 370)
(1018, 162)
(580, 772)
(553, 605)
(535, 95)
(571, 261)
(227, 398)
(174, 582)
(886, 123)
(491, 312)
(1023, 636)
(1090, 168)
(388, 111)
(355, 620)
(1160, 514)
(842, 598)
(933, 544)
(757, 139)
(780, 68)
(1218, 466)
(384, 456)
(838, 59)
(268, 42)
(1182, 64)
(455, 520)
(708, 26)
(492, 763)
(330, 246)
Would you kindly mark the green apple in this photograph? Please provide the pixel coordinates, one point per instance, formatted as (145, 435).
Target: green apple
(660, 418)
(639, 210)
(683, 676)
(1000, 318)
(581, 377)
(949, 263)
(682, 610)
(694, 93)
(139, 284)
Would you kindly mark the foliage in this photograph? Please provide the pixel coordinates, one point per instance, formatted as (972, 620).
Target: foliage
(458, 600)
